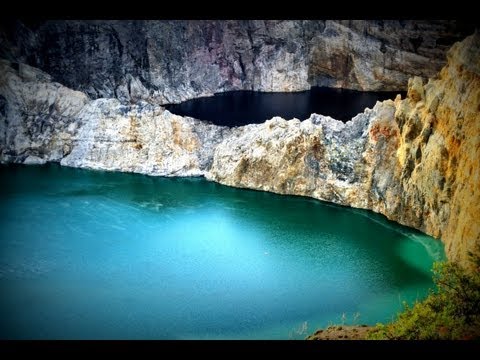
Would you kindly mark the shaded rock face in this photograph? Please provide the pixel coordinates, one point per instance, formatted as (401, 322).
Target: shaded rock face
(172, 61)
(414, 160)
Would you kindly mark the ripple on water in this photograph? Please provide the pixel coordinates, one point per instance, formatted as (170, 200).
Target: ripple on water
(89, 254)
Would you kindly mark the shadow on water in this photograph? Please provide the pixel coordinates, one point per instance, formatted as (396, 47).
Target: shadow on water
(236, 108)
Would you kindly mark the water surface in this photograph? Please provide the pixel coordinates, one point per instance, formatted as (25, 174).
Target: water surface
(236, 108)
(98, 255)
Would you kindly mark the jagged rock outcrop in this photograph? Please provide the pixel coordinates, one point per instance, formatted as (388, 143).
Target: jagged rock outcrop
(171, 61)
(304, 158)
(43, 121)
(37, 116)
(143, 138)
(414, 160)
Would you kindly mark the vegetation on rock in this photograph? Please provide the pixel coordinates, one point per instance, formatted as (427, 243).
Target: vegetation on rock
(451, 311)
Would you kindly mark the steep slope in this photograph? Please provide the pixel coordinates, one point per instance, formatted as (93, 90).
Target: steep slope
(440, 143)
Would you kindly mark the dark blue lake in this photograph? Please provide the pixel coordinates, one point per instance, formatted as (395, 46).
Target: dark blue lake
(238, 108)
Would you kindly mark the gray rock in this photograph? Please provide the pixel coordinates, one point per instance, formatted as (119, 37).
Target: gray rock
(34, 160)
(38, 116)
(172, 61)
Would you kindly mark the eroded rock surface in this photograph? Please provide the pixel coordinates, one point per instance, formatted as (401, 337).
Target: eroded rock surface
(143, 138)
(37, 117)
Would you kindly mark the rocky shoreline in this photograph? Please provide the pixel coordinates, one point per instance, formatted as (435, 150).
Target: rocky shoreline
(342, 332)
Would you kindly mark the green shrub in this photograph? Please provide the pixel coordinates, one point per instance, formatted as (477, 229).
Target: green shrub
(451, 311)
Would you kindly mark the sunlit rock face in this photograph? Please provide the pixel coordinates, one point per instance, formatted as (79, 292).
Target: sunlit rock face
(439, 152)
(309, 158)
(171, 61)
(44, 121)
(414, 160)
(143, 138)
(349, 163)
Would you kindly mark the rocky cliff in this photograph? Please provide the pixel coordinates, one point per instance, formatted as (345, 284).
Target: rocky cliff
(44, 121)
(414, 160)
(171, 61)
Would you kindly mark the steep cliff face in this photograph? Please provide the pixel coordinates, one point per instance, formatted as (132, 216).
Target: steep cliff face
(37, 117)
(440, 147)
(143, 138)
(171, 61)
(414, 160)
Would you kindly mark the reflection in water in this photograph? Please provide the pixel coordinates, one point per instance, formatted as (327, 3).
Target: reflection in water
(237, 108)
(89, 254)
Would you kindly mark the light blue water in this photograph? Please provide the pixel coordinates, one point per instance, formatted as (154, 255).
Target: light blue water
(96, 255)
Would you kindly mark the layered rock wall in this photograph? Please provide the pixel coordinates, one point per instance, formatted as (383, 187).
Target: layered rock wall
(171, 61)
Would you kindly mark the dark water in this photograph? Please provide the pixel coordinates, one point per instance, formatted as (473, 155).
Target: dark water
(237, 108)
(97, 255)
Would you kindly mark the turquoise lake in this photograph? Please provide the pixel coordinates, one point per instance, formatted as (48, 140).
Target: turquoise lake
(99, 255)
